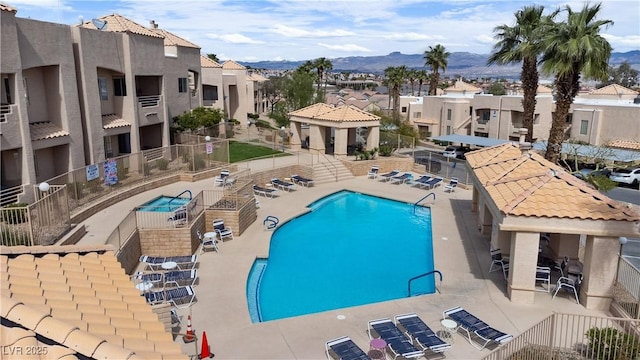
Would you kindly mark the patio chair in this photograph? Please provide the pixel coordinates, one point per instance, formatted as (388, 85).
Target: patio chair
(431, 184)
(401, 179)
(221, 179)
(498, 262)
(182, 262)
(223, 231)
(373, 172)
(179, 278)
(570, 283)
(421, 333)
(267, 192)
(451, 186)
(283, 185)
(397, 342)
(299, 180)
(175, 318)
(472, 325)
(180, 297)
(389, 175)
(543, 275)
(344, 348)
(207, 243)
(179, 217)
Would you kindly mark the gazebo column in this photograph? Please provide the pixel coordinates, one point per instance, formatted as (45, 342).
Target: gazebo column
(485, 218)
(296, 129)
(340, 142)
(500, 239)
(373, 137)
(599, 272)
(523, 259)
(316, 139)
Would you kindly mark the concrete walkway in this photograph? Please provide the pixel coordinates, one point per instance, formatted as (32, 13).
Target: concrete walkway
(461, 254)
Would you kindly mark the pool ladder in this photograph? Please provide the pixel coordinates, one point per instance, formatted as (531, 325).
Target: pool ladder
(176, 197)
(424, 197)
(421, 276)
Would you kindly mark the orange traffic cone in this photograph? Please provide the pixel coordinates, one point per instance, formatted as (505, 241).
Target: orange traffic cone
(205, 353)
(190, 336)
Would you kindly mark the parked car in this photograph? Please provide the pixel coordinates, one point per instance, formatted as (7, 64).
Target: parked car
(456, 151)
(450, 151)
(626, 176)
(583, 173)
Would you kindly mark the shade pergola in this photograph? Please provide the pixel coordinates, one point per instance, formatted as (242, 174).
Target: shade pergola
(343, 120)
(518, 195)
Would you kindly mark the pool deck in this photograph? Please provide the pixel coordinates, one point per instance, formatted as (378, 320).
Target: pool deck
(461, 254)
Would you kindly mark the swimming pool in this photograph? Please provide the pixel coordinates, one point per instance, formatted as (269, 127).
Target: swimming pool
(351, 249)
(163, 204)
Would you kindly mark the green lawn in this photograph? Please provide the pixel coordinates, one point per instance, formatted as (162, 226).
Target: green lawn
(239, 151)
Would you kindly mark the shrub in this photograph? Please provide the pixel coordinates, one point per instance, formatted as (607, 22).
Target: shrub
(612, 344)
(15, 216)
(366, 154)
(263, 124)
(197, 163)
(386, 150)
(163, 164)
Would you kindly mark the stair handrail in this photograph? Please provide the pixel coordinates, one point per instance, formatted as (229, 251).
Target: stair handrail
(422, 198)
(420, 276)
(332, 164)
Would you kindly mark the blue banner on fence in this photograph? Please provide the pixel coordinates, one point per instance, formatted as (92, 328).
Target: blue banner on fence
(110, 172)
(92, 172)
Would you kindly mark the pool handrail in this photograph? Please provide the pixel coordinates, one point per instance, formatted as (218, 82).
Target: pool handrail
(422, 198)
(419, 276)
(176, 197)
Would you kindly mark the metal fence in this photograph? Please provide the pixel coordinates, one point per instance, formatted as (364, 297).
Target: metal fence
(626, 290)
(90, 183)
(123, 231)
(568, 336)
(437, 164)
(40, 223)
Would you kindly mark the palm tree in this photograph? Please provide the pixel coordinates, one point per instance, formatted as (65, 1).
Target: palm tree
(573, 47)
(422, 77)
(522, 42)
(395, 76)
(322, 65)
(436, 59)
(412, 76)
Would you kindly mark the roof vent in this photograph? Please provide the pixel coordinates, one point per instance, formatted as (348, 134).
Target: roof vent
(153, 24)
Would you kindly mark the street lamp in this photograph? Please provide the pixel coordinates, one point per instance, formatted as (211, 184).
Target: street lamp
(283, 134)
(44, 186)
(207, 138)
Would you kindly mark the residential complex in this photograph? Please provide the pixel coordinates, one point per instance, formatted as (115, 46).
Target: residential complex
(77, 95)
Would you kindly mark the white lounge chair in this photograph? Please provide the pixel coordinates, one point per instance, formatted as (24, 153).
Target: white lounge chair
(451, 186)
(223, 231)
(373, 172)
(475, 328)
(267, 192)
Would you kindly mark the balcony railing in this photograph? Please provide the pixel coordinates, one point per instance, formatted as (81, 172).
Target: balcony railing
(4, 109)
(149, 101)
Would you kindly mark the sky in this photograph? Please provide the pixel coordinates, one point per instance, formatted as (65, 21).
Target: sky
(252, 30)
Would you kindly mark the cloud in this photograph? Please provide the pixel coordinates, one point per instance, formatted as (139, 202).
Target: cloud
(484, 39)
(292, 32)
(345, 47)
(630, 41)
(235, 39)
(411, 36)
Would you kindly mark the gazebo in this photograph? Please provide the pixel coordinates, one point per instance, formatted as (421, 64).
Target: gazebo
(518, 195)
(335, 126)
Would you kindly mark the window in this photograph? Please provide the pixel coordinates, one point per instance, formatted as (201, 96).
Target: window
(486, 116)
(448, 114)
(584, 127)
(102, 89)
(210, 93)
(404, 109)
(119, 87)
(7, 90)
(182, 85)
(417, 115)
(448, 130)
(108, 149)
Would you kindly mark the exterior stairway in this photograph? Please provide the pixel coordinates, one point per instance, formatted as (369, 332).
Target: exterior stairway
(330, 170)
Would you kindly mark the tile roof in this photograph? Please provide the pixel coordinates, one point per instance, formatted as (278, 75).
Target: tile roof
(5, 7)
(79, 299)
(613, 89)
(528, 185)
(171, 39)
(625, 144)
(232, 65)
(112, 121)
(256, 77)
(118, 23)
(463, 86)
(343, 113)
(46, 130)
(205, 62)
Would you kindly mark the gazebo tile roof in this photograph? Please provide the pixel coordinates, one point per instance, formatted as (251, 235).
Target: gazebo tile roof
(343, 113)
(525, 184)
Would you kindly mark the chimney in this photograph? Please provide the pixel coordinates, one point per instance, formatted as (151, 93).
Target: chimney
(524, 146)
(153, 24)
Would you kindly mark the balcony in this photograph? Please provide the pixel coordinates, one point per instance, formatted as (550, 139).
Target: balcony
(10, 125)
(150, 110)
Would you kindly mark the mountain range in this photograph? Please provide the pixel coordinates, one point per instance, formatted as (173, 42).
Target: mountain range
(465, 64)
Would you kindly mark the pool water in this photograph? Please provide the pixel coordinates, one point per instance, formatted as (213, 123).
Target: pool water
(164, 204)
(351, 249)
